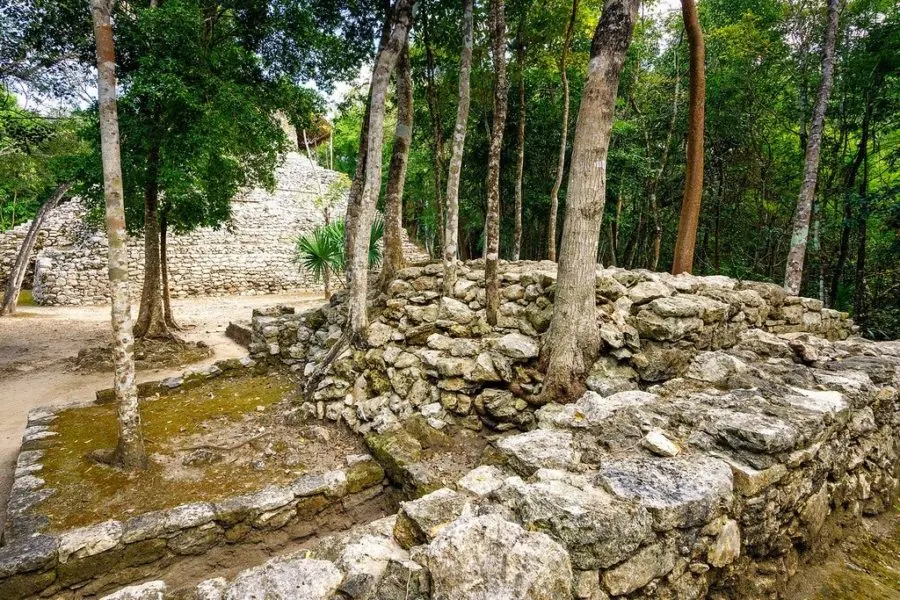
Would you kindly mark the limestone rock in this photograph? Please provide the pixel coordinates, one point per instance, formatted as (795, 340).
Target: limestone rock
(541, 448)
(715, 367)
(489, 558)
(481, 481)
(517, 346)
(90, 540)
(679, 492)
(727, 546)
(297, 579)
(639, 570)
(152, 590)
(27, 554)
(597, 528)
(658, 443)
(420, 520)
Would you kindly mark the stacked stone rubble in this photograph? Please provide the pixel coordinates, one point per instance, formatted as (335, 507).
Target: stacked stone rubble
(438, 356)
(708, 486)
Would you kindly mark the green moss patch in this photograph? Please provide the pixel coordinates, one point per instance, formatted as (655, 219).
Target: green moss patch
(225, 437)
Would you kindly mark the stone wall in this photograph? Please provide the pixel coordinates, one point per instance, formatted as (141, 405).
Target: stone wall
(707, 486)
(251, 254)
(438, 356)
(62, 227)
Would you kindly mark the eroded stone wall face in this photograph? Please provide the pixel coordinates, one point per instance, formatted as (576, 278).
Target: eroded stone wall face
(250, 254)
(730, 432)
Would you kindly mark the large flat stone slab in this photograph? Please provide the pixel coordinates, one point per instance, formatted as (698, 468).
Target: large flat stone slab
(679, 492)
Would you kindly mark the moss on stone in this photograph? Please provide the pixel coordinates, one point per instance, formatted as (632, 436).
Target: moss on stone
(87, 492)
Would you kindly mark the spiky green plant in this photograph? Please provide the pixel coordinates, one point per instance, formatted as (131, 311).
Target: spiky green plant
(321, 252)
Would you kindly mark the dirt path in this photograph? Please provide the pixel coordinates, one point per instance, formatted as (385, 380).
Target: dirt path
(36, 343)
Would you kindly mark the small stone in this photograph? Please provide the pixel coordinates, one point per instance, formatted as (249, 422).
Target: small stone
(482, 481)
(656, 442)
(636, 572)
(541, 448)
(727, 546)
(517, 346)
(298, 579)
(152, 590)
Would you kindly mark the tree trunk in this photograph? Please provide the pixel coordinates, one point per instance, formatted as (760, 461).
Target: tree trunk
(561, 163)
(654, 186)
(846, 222)
(151, 321)
(354, 195)
(359, 229)
(520, 138)
(17, 274)
(693, 178)
(393, 206)
(572, 343)
(451, 223)
(437, 135)
(129, 452)
(796, 255)
(171, 323)
(859, 296)
(497, 25)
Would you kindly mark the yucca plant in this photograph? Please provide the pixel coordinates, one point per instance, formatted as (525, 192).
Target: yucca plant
(321, 252)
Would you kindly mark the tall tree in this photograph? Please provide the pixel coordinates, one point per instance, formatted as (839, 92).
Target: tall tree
(520, 135)
(693, 178)
(451, 222)
(800, 226)
(359, 225)
(572, 342)
(393, 204)
(129, 452)
(497, 25)
(564, 139)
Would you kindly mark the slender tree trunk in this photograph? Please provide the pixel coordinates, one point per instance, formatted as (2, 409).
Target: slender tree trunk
(859, 298)
(20, 267)
(796, 255)
(359, 229)
(520, 138)
(129, 453)
(654, 187)
(451, 235)
(572, 343)
(497, 25)
(846, 223)
(693, 178)
(437, 135)
(12, 222)
(354, 195)
(151, 321)
(564, 139)
(393, 206)
(171, 323)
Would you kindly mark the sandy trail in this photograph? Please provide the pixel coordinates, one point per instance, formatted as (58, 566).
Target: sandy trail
(35, 343)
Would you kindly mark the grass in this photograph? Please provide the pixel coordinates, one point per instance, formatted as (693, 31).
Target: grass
(87, 492)
(26, 298)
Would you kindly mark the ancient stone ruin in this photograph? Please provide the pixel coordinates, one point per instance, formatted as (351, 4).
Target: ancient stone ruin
(729, 433)
(251, 254)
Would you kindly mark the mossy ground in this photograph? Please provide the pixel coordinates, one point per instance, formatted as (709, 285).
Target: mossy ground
(240, 420)
(26, 298)
(864, 566)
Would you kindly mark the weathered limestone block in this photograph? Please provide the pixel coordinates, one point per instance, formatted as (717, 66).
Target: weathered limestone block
(487, 558)
(596, 528)
(539, 449)
(297, 579)
(420, 520)
(679, 492)
(152, 590)
(649, 563)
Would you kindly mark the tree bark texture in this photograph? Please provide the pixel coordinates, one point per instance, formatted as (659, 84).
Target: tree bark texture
(359, 230)
(859, 299)
(171, 323)
(497, 25)
(572, 342)
(17, 275)
(129, 452)
(451, 222)
(686, 239)
(354, 195)
(793, 276)
(393, 206)
(151, 321)
(437, 135)
(520, 139)
(564, 139)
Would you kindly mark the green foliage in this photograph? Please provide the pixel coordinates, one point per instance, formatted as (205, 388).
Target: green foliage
(322, 251)
(35, 155)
